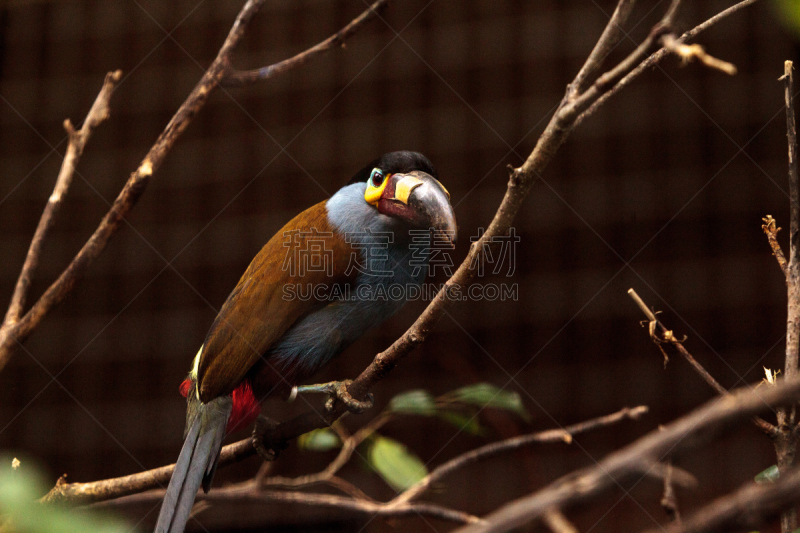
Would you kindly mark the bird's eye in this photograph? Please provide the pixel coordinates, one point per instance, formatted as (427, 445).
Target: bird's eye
(376, 178)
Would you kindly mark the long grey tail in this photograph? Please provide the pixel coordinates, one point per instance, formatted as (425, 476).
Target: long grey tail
(196, 463)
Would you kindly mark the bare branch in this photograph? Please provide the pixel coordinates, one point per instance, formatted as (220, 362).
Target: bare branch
(689, 52)
(664, 337)
(747, 508)
(77, 142)
(793, 322)
(108, 489)
(655, 58)
(245, 494)
(786, 443)
(625, 464)
(496, 448)
(132, 190)
(558, 523)
(246, 77)
(771, 229)
(349, 445)
(669, 501)
(610, 37)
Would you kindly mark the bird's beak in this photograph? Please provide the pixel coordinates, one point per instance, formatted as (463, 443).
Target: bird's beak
(421, 200)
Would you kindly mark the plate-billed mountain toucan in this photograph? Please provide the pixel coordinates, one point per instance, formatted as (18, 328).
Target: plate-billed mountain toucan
(266, 339)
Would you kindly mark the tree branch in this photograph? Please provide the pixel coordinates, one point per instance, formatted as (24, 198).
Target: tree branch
(109, 489)
(625, 464)
(664, 337)
(786, 442)
(242, 493)
(656, 58)
(689, 52)
(349, 445)
(98, 113)
(610, 37)
(557, 522)
(241, 78)
(669, 501)
(771, 230)
(132, 190)
(746, 508)
(496, 448)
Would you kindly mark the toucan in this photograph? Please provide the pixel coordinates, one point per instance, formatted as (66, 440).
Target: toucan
(365, 246)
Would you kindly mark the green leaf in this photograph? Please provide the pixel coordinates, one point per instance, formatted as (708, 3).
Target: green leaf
(470, 424)
(488, 395)
(417, 402)
(19, 489)
(395, 463)
(770, 475)
(319, 440)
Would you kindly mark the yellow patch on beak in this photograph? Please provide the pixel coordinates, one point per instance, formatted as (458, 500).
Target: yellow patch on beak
(404, 186)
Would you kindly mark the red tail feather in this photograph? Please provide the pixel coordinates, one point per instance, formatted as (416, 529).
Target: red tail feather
(245, 406)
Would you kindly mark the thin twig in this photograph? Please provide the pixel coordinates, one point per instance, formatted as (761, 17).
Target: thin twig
(246, 77)
(241, 494)
(786, 443)
(771, 230)
(669, 501)
(349, 445)
(665, 337)
(689, 52)
(745, 509)
(557, 522)
(98, 113)
(656, 58)
(496, 448)
(610, 37)
(625, 464)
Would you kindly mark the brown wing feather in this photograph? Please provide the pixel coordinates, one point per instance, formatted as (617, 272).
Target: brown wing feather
(255, 315)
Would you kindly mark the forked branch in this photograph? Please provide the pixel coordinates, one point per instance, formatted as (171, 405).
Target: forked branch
(17, 327)
(664, 337)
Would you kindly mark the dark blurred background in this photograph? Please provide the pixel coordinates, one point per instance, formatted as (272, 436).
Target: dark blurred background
(662, 190)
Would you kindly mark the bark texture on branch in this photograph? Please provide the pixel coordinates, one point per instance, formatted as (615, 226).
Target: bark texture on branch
(786, 439)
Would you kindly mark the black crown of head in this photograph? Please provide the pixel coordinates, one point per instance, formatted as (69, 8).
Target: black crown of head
(396, 162)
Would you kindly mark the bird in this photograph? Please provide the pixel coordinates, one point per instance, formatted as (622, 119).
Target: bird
(276, 328)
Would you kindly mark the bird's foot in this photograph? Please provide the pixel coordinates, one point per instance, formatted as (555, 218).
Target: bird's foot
(338, 391)
(262, 438)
